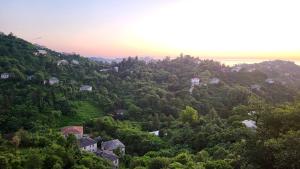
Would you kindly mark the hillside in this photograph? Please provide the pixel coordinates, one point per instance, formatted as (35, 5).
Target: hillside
(197, 105)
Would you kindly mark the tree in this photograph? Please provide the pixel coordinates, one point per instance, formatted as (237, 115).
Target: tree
(189, 115)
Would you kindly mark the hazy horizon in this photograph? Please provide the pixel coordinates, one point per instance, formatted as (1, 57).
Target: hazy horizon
(219, 30)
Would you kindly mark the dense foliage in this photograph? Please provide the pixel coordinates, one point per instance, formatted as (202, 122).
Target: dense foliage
(201, 129)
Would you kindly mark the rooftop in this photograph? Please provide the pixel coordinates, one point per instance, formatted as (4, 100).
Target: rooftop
(72, 130)
(112, 144)
(86, 141)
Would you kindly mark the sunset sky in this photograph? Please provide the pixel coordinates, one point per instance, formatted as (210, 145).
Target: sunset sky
(244, 29)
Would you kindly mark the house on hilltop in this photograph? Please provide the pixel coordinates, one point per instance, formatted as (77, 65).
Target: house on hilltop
(77, 131)
(40, 52)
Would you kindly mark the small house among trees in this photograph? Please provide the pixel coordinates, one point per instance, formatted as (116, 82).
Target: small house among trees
(195, 81)
(53, 80)
(88, 144)
(4, 75)
(214, 81)
(86, 88)
(270, 81)
(62, 62)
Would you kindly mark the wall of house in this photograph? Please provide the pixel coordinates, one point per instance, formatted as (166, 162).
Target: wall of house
(91, 148)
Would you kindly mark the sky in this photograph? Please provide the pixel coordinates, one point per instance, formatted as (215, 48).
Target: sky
(228, 29)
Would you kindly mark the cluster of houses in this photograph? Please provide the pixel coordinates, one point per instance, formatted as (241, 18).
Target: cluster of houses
(110, 150)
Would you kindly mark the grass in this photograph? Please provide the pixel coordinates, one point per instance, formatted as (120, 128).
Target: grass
(85, 110)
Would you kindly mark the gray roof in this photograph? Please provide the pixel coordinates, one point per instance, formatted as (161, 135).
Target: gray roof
(86, 141)
(112, 144)
(107, 155)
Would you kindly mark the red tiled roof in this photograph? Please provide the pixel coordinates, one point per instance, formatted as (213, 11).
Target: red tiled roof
(72, 130)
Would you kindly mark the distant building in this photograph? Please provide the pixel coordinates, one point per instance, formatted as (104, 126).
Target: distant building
(62, 62)
(251, 113)
(4, 75)
(75, 62)
(214, 81)
(119, 114)
(88, 144)
(110, 156)
(116, 68)
(86, 88)
(195, 81)
(255, 87)
(104, 70)
(77, 131)
(251, 70)
(249, 124)
(113, 145)
(236, 69)
(270, 81)
(40, 52)
(156, 133)
(53, 80)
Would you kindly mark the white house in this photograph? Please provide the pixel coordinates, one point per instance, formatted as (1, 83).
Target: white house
(214, 81)
(195, 81)
(62, 62)
(249, 124)
(104, 70)
(88, 144)
(156, 133)
(53, 80)
(75, 62)
(4, 75)
(86, 88)
(270, 81)
(40, 52)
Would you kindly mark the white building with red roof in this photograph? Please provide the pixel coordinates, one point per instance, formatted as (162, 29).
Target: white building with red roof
(77, 131)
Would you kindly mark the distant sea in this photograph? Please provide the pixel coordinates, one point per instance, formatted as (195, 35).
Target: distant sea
(231, 62)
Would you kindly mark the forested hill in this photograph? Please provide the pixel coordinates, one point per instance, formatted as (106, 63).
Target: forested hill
(207, 115)
(144, 90)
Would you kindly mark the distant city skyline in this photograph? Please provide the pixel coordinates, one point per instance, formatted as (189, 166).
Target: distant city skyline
(216, 29)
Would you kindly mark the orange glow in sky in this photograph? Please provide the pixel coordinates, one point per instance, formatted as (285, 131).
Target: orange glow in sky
(213, 29)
